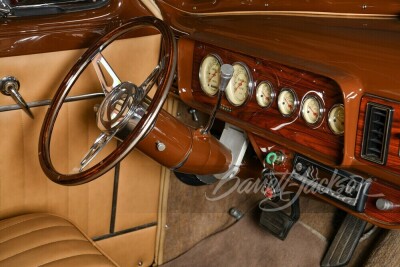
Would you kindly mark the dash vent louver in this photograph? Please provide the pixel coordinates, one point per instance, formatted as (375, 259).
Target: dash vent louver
(377, 128)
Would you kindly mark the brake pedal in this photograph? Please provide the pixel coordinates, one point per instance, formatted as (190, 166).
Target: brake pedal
(277, 221)
(346, 240)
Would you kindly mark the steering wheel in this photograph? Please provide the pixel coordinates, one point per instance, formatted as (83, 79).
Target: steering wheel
(124, 102)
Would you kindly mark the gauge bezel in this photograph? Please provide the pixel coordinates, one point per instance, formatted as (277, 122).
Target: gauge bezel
(273, 93)
(321, 110)
(219, 59)
(329, 121)
(295, 103)
(250, 84)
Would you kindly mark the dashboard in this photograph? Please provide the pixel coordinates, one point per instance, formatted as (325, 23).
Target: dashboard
(345, 57)
(302, 115)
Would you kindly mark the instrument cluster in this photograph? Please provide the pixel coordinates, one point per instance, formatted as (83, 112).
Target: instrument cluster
(287, 105)
(240, 89)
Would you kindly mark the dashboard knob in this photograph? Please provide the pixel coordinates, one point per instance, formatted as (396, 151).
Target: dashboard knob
(226, 75)
(384, 204)
(300, 167)
(275, 158)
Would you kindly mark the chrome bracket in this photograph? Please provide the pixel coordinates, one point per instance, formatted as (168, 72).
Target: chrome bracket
(9, 86)
(5, 9)
(236, 140)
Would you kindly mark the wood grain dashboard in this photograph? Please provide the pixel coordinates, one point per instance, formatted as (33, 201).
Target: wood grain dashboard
(340, 6)
(268, 129)
(294, 128)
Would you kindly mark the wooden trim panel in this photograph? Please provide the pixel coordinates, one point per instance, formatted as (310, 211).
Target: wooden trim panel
(40, 34)
(390, 7)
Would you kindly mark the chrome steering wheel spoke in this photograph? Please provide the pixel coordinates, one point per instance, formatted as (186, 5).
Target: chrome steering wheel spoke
(98, 62)
(119, 106)
(101, 141)
(151, 79)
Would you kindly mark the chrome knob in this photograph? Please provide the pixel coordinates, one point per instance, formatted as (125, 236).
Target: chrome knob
(226, 75)
(160, 146)
(384, 204)
(9, 86)
(299, 167)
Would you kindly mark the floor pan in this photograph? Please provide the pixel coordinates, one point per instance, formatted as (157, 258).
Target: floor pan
(246, 244)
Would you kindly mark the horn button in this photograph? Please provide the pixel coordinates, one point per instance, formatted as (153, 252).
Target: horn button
(120, 107)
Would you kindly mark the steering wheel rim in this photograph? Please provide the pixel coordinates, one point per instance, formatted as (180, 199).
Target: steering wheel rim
(144, 125)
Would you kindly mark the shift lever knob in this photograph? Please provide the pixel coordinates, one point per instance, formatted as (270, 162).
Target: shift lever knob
(226, 75)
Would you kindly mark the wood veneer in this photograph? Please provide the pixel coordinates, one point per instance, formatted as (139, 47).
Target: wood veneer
(49, 33)
(390, 7)
(393, 160)
(304, 83)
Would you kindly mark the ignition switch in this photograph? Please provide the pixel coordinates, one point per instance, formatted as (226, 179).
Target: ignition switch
(275, 158)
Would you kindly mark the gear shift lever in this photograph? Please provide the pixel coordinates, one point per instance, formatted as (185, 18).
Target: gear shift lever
(226, 75)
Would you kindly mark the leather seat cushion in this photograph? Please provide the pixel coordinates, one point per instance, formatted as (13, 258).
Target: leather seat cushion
(47, 240)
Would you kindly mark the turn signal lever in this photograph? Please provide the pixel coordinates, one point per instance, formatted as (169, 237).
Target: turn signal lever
(226, 75)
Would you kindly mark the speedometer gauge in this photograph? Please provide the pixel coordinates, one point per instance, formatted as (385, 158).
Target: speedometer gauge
(287, 102)
(209, 74)
(265, 94)
(336, 119)
(312, 110)
(240, 86)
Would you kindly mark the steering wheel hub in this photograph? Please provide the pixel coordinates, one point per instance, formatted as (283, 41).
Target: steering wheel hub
(118, 107)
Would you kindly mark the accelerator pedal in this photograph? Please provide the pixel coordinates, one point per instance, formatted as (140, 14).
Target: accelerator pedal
(277, 221)
(346, 240)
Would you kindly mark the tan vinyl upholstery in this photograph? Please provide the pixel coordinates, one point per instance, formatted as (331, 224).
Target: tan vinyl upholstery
(46, 240)
(24, 188)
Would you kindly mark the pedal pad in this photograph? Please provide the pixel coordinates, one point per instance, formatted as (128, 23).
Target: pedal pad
(277, 221)
(346, 240)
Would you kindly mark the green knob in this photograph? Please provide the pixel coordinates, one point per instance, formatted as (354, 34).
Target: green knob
(271, 158)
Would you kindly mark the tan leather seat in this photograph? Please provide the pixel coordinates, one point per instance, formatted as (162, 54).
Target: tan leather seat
(47, 240)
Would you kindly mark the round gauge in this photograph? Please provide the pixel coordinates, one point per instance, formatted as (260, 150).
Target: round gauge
(336, 119)
(240, 86)
(209, 74)
(265, 94)
(312, 110)
(287, 102)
